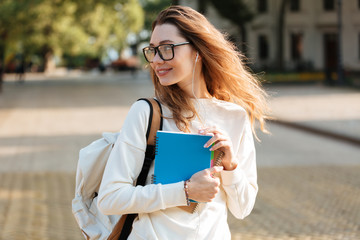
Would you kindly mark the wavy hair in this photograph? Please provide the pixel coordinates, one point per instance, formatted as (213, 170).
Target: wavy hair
(227, 77)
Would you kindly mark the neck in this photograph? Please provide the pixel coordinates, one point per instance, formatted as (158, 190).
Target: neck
(196, 86)
(199, 89)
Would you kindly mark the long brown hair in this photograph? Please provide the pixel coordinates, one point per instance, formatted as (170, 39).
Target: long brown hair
(224, 72)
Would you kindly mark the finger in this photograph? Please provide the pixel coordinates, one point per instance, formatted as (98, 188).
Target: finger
(217, 137)
(220, 144)
(208, 130)
(217, 181)
(202, 131)
(215, 169)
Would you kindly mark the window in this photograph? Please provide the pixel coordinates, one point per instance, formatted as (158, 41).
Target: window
(263, 47)
(329, 5)
(295, 5)
(296, 46)
(262, 6)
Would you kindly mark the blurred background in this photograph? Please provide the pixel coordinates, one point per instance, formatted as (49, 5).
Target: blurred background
(287, 39)
(70, 70)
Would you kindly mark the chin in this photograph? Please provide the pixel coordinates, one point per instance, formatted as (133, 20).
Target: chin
(166, 82)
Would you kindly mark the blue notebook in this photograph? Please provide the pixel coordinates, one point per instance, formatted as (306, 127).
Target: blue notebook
(180, 155)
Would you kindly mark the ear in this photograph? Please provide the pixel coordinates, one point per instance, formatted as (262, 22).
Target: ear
(197, 56)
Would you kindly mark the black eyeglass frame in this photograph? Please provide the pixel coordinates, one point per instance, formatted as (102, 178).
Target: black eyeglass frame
(159, 52)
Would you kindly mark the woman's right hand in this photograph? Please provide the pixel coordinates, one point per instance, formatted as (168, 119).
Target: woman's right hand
(203, 186)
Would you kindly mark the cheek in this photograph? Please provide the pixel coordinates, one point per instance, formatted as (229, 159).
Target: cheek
(186, 67)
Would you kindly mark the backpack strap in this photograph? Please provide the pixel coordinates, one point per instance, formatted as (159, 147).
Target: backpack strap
(155, 123)
(155, 119)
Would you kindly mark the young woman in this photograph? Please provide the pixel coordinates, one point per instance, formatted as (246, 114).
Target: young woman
(204, 88)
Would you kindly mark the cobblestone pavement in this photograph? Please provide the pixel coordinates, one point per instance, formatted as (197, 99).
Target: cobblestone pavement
(44, 124)
(304, 203)
(37, 205)
(324, 206)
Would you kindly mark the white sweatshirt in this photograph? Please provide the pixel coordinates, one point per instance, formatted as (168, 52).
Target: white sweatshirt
(159, 216)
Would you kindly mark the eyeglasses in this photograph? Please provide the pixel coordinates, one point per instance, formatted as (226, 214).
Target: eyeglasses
(166, 51)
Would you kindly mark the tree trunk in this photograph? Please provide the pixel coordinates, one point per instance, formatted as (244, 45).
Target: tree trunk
(244, 43)
(49, 65)
(202, 6)
(2, 59)
(281, 26)
(48, 62)
(2, 67)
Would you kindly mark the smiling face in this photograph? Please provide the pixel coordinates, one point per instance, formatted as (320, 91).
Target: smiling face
(179, 69)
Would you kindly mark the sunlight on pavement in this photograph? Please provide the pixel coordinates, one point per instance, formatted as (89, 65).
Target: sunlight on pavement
(15, 149)
(317, 108)
(61, 121)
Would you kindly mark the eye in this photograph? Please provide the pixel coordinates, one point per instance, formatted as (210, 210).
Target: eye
(165, 48)
(150, 50)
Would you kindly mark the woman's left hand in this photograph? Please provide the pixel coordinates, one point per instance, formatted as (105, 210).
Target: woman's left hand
(222, 143)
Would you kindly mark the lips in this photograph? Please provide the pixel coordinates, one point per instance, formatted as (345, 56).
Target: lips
(163, 71)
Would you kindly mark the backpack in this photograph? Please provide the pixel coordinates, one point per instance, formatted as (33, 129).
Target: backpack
(90, 169)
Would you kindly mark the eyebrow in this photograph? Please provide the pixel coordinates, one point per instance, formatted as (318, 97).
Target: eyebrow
(162, 42)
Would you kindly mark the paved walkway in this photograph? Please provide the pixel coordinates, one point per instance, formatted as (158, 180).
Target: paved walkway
(332, 112)
(44, 123)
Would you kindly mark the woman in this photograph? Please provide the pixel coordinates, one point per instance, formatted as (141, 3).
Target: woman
(203, 88)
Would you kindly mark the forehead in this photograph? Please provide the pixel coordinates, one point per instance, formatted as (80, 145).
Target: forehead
(165, 33)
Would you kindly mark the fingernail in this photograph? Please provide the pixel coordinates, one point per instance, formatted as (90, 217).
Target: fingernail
(201, 131)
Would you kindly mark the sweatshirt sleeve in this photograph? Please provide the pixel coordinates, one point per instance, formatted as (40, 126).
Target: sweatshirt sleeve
(117, 194)
(240, 184)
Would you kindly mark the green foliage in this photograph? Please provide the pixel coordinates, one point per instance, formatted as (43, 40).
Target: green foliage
(237, 11)
(152, 9)
(70, 27)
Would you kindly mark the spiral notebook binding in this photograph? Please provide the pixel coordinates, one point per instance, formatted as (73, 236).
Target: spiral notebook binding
(219, 159)
(156, 145)
(153, 179)
(196, 207)
(155, 140)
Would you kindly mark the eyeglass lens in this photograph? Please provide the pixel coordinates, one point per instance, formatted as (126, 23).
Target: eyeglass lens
(165, 52)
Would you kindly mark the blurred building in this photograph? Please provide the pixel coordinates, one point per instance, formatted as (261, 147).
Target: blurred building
(310, 33)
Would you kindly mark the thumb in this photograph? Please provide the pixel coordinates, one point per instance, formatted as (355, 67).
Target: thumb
(216, 169)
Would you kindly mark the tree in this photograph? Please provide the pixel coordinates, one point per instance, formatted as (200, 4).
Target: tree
(175, 2)
(202, 6)
(73, 27)
(48, 27)
(55, 30)
(152, 9)
(13, 16)
(238, 13)
(280, 34)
